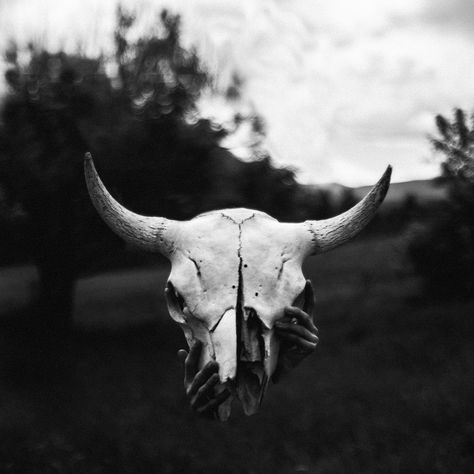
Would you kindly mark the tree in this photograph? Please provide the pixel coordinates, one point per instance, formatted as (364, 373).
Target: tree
(61, 105)
(442, 251)
(456, 143)
(41, 146)
(152, 151)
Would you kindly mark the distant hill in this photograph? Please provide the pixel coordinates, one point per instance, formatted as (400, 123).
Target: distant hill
(423, 190)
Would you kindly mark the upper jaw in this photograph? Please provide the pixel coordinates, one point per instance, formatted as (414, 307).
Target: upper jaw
(247, 352)
(244, 347)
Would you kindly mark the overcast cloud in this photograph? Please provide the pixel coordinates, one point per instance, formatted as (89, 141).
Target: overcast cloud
(345, 86)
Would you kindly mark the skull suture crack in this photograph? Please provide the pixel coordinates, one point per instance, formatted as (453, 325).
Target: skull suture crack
(233, 272)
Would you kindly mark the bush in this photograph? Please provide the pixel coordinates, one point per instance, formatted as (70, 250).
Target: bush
(442, 250)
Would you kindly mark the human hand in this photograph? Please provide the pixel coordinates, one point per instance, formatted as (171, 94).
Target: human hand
(298, 334)
(200, 384)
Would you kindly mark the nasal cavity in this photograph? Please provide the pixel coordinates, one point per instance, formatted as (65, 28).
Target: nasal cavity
(251, 341)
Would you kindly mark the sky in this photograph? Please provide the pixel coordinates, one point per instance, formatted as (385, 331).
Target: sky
(345, 86)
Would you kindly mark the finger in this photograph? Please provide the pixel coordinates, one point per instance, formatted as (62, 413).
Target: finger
(191, 364)
(297, 330)
(302, 344)
(297, 339)
(303, 318)
(205, 392)
(202, 377)
(214, 403)
(182, 354)
(309, 301)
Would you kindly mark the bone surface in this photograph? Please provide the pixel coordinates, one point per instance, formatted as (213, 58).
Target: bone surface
(233, 271)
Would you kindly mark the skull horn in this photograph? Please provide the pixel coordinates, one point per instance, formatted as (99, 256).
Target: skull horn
(149, 233)
(329, 233)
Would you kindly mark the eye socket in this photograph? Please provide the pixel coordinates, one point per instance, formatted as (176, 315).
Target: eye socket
(300, 300)
(174, 294)
(305, 300)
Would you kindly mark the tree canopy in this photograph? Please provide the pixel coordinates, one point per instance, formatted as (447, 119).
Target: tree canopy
(442, 251)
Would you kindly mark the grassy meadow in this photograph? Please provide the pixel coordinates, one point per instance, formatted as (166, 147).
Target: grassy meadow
(389, 390)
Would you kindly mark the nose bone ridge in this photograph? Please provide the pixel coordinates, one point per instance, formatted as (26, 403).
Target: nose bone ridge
(224, 341)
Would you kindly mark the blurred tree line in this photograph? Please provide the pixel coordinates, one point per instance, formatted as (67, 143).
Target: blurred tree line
(154, 153)
(442, 248)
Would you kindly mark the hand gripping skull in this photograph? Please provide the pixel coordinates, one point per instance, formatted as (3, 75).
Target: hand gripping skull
(233, 271)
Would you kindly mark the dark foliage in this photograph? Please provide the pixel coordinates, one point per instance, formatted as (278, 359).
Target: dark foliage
(442, 250)
(389, 389)
(153, 152)
(59, 106)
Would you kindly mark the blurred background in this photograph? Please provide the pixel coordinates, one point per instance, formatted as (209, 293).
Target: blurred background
(291, 108)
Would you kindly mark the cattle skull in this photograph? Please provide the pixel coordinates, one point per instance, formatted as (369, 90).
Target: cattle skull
(232, 273)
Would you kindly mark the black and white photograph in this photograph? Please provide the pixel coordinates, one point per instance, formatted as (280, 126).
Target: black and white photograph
(236, 236)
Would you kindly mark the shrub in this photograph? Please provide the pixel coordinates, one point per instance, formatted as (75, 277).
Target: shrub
(442, 249)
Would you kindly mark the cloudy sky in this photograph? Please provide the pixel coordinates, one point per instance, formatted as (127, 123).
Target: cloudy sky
(345, 86)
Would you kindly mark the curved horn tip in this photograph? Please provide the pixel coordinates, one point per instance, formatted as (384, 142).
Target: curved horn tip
(384, 182)
(388, 173)
(330, 233)
(89, 168)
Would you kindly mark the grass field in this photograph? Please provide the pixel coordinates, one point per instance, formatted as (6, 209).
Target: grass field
(390, 389)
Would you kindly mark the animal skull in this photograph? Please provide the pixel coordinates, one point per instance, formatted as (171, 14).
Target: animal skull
(233, 271)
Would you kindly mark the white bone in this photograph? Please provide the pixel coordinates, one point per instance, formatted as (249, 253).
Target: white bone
(233, 272)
